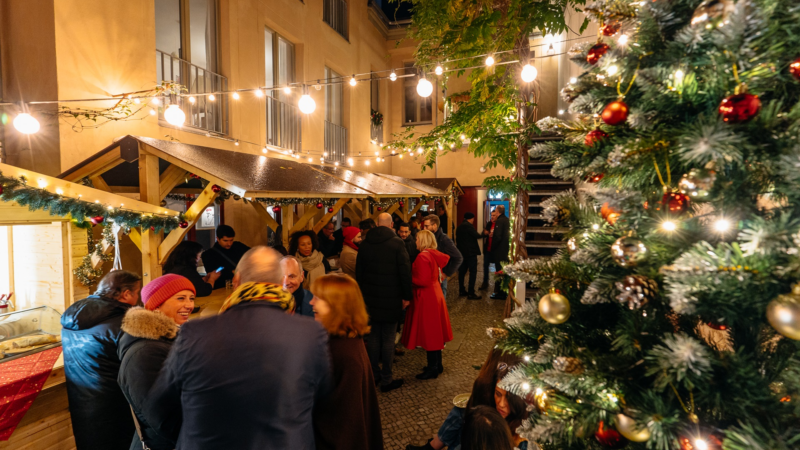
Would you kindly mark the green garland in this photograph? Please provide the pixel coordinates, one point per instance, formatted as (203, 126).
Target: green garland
(86, 274)
(17, 190)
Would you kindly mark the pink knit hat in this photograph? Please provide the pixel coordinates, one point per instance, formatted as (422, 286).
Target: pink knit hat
(162, 288)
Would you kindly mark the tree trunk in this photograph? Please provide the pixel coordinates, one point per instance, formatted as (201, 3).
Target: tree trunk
(526, 116)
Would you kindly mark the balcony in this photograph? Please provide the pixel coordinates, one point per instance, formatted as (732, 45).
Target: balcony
(283, 125)
(204, 115)
(335, 142)
(334, 13)
(376, 133)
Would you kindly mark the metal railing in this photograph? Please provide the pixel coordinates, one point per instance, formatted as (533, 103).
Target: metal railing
(204, 114)
(335, 142)
(284, 125)
(334, 13)
(376, 133)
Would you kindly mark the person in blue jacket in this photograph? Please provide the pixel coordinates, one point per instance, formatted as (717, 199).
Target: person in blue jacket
(293, 278)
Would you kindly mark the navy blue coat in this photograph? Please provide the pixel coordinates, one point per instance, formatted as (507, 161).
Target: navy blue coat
(383, 272)
(101, 417)
(245, 379)
(302, 301)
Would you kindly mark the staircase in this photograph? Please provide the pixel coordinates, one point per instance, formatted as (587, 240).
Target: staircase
(541, 239)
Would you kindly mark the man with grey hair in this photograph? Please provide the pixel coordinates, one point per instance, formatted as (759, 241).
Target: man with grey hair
(248, 377)
(293, 277)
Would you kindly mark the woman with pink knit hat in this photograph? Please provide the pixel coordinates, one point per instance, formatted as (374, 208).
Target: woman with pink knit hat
(148, 336)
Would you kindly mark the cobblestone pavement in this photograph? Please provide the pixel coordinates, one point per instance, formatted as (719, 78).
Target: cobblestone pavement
(413, 413)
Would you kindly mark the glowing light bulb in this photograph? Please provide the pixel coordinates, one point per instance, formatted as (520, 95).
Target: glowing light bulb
(489, 61)
(526, 387)
(287, 90)
(310, 159)
(623, 39)
(463, 137)
(393, 76)
(366, 162)
(211, 97)
(156, 101)
(612, 70)
(259, 93)
(152, 112)
(175, 116)
(527, 358)
(236, 143)
(419, 150)
(678, 76)
(137, 101)
(192, 100)
(438, 70)
(350, 161)
(264, 150)
(26, 123)
(668, 225)
(551, 51)
(424, 88)
(235, 96)
(722, 225)
(595, 227)
(353, 81)
(307, 104)
(560, 111)
(573, 80)
(336, 163)
(529, 73)
(325, 154)
(60, 191)
(439, 146)
(700, 444)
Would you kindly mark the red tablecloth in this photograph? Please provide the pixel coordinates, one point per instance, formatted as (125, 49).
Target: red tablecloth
(20, 383)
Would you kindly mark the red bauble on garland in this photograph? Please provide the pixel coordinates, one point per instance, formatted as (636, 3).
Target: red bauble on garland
(596, 52)
(330, 210)
(615, 113)
(184, 224)
(794, 69)
(610, 29)
(380, 208)
(194, 176)
(717, 326)
(739, 108)
(609, 437)
(399, 203)
(320, 205)
(216, 188)
(276, 209)
(675, 202)
(1, 190)
(96, 220)
(593, 136)
(594, 178)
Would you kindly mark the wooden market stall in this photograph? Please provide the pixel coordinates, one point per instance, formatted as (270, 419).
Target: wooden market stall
(40, 250)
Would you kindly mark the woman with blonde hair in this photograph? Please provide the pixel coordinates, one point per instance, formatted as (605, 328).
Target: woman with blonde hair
(339, 307)
(427, 320)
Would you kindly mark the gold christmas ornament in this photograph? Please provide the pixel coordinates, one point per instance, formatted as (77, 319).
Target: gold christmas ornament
(628, 251)
(697, 182)
(628, 428)
(554, 307)
(497, 333)
(541, 400)
(713, 13)
(572, 366)
(783, 313)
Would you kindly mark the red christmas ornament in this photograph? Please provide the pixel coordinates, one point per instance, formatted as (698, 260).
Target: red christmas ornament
(320, 205)
(609, 214)
(594, 178)
(593, 136)
(1, 190)
(609, 437)
(615, 113)
(380, 208)
(610, 29)
(96, 220)
(330, 210)
(739, 108)
(597, 51)
(717, 326)
(152, 228)
(675, 202)
(194, 176)
(216, 188)
(399, 203)
(794, 69)
(184, 224)
(276, 209)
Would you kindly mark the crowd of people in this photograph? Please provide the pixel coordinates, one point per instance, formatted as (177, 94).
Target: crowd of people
(295, 355)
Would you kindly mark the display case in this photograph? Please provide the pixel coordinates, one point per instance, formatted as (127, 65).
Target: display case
(29, 331)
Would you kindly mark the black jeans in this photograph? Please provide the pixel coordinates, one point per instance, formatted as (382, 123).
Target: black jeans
(487, 258)
(380, 349)
(470, 264)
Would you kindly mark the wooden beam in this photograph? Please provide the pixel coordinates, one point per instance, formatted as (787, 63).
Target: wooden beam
(405, 207)
(311, 211)
(136, 238)
(149, 193)
(144, 148)
(448, 209)
(171, 177)
(192, 215)
(364, 209)
(416, 208)
(98, 166)
(327, 217)
(388, 210)
(354, 212)
(287, 222)
(99, 183)
(265, 216)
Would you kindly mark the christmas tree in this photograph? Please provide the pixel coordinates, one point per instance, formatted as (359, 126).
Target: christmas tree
(672, 320)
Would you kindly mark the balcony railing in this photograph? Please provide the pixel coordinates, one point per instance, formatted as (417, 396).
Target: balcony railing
(283, 125)
(334, 13)
(335, 142)
(204, 114)
(376, 133)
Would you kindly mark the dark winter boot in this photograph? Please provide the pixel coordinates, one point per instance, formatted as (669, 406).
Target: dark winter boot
(427, 446)
(432, 369)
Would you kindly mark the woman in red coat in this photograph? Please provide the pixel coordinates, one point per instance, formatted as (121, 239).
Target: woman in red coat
(427, 321)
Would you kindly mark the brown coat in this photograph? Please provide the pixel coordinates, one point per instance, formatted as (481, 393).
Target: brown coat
(347, 261)
(353, 401)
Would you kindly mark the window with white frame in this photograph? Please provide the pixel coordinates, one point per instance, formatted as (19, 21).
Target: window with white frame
(416, 110)
(283, 117)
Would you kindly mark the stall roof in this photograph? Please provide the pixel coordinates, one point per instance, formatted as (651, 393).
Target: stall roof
(250, 175)
(442, 184)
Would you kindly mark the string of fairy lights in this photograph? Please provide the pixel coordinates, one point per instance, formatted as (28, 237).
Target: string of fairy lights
(25, 123)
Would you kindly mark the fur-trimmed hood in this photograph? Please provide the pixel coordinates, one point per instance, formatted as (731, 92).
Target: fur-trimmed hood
(141, 323)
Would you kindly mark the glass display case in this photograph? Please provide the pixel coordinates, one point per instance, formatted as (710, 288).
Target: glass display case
(29, 331)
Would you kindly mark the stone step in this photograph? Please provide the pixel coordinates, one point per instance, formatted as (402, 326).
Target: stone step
(539, 172)
(547, 192)
(550, 182)
(545, 244)
(547, 230)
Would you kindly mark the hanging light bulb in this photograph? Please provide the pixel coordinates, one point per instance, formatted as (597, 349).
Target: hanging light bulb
(259, 93)
(152, 112)
(353, 81)
(350, 161)
(156, 101)
(137, 101)
(612, 70)
(287, 90)
(679, 76)
(438, 70)
(26, 123)
(264, 150)
(174, 115)
(192, 100)
(419, 150)
(336, 163)
(307, 104)
(393, 76)
(529, 73)
(573, 80)
(236, 143)
(211, 97)
(722, 225)
(551, 51)
(236, 96)
(668, 225)
(424, 88)
(623, 39)
(489, 61)
(366, 162)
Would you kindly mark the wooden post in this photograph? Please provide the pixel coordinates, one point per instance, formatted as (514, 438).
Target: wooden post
(364, 209)
(192, 215)
(149, 191)
(287, 222)
(327, 217)
(406, 207)
(310, 213)
(265, 216)
(448, 209)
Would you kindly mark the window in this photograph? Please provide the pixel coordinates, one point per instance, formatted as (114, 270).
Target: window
(335, 132)
(416, 110)
(283, 117)
(376, 131)
(334, 13)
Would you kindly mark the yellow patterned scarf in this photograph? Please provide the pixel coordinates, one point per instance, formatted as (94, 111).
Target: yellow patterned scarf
(268, 292)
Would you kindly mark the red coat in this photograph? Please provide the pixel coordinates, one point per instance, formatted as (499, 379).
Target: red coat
(427, 322)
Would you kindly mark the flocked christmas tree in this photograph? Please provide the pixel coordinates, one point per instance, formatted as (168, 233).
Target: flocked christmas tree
(672, 320)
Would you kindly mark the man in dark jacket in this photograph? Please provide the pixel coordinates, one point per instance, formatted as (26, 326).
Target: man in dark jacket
(467, 242)
(225, 253)
(101, 417)
(338, 235)
(383, 272)
(496, 248)
(445, 245)
(327, 240)
(404, 232)
(248, 377)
